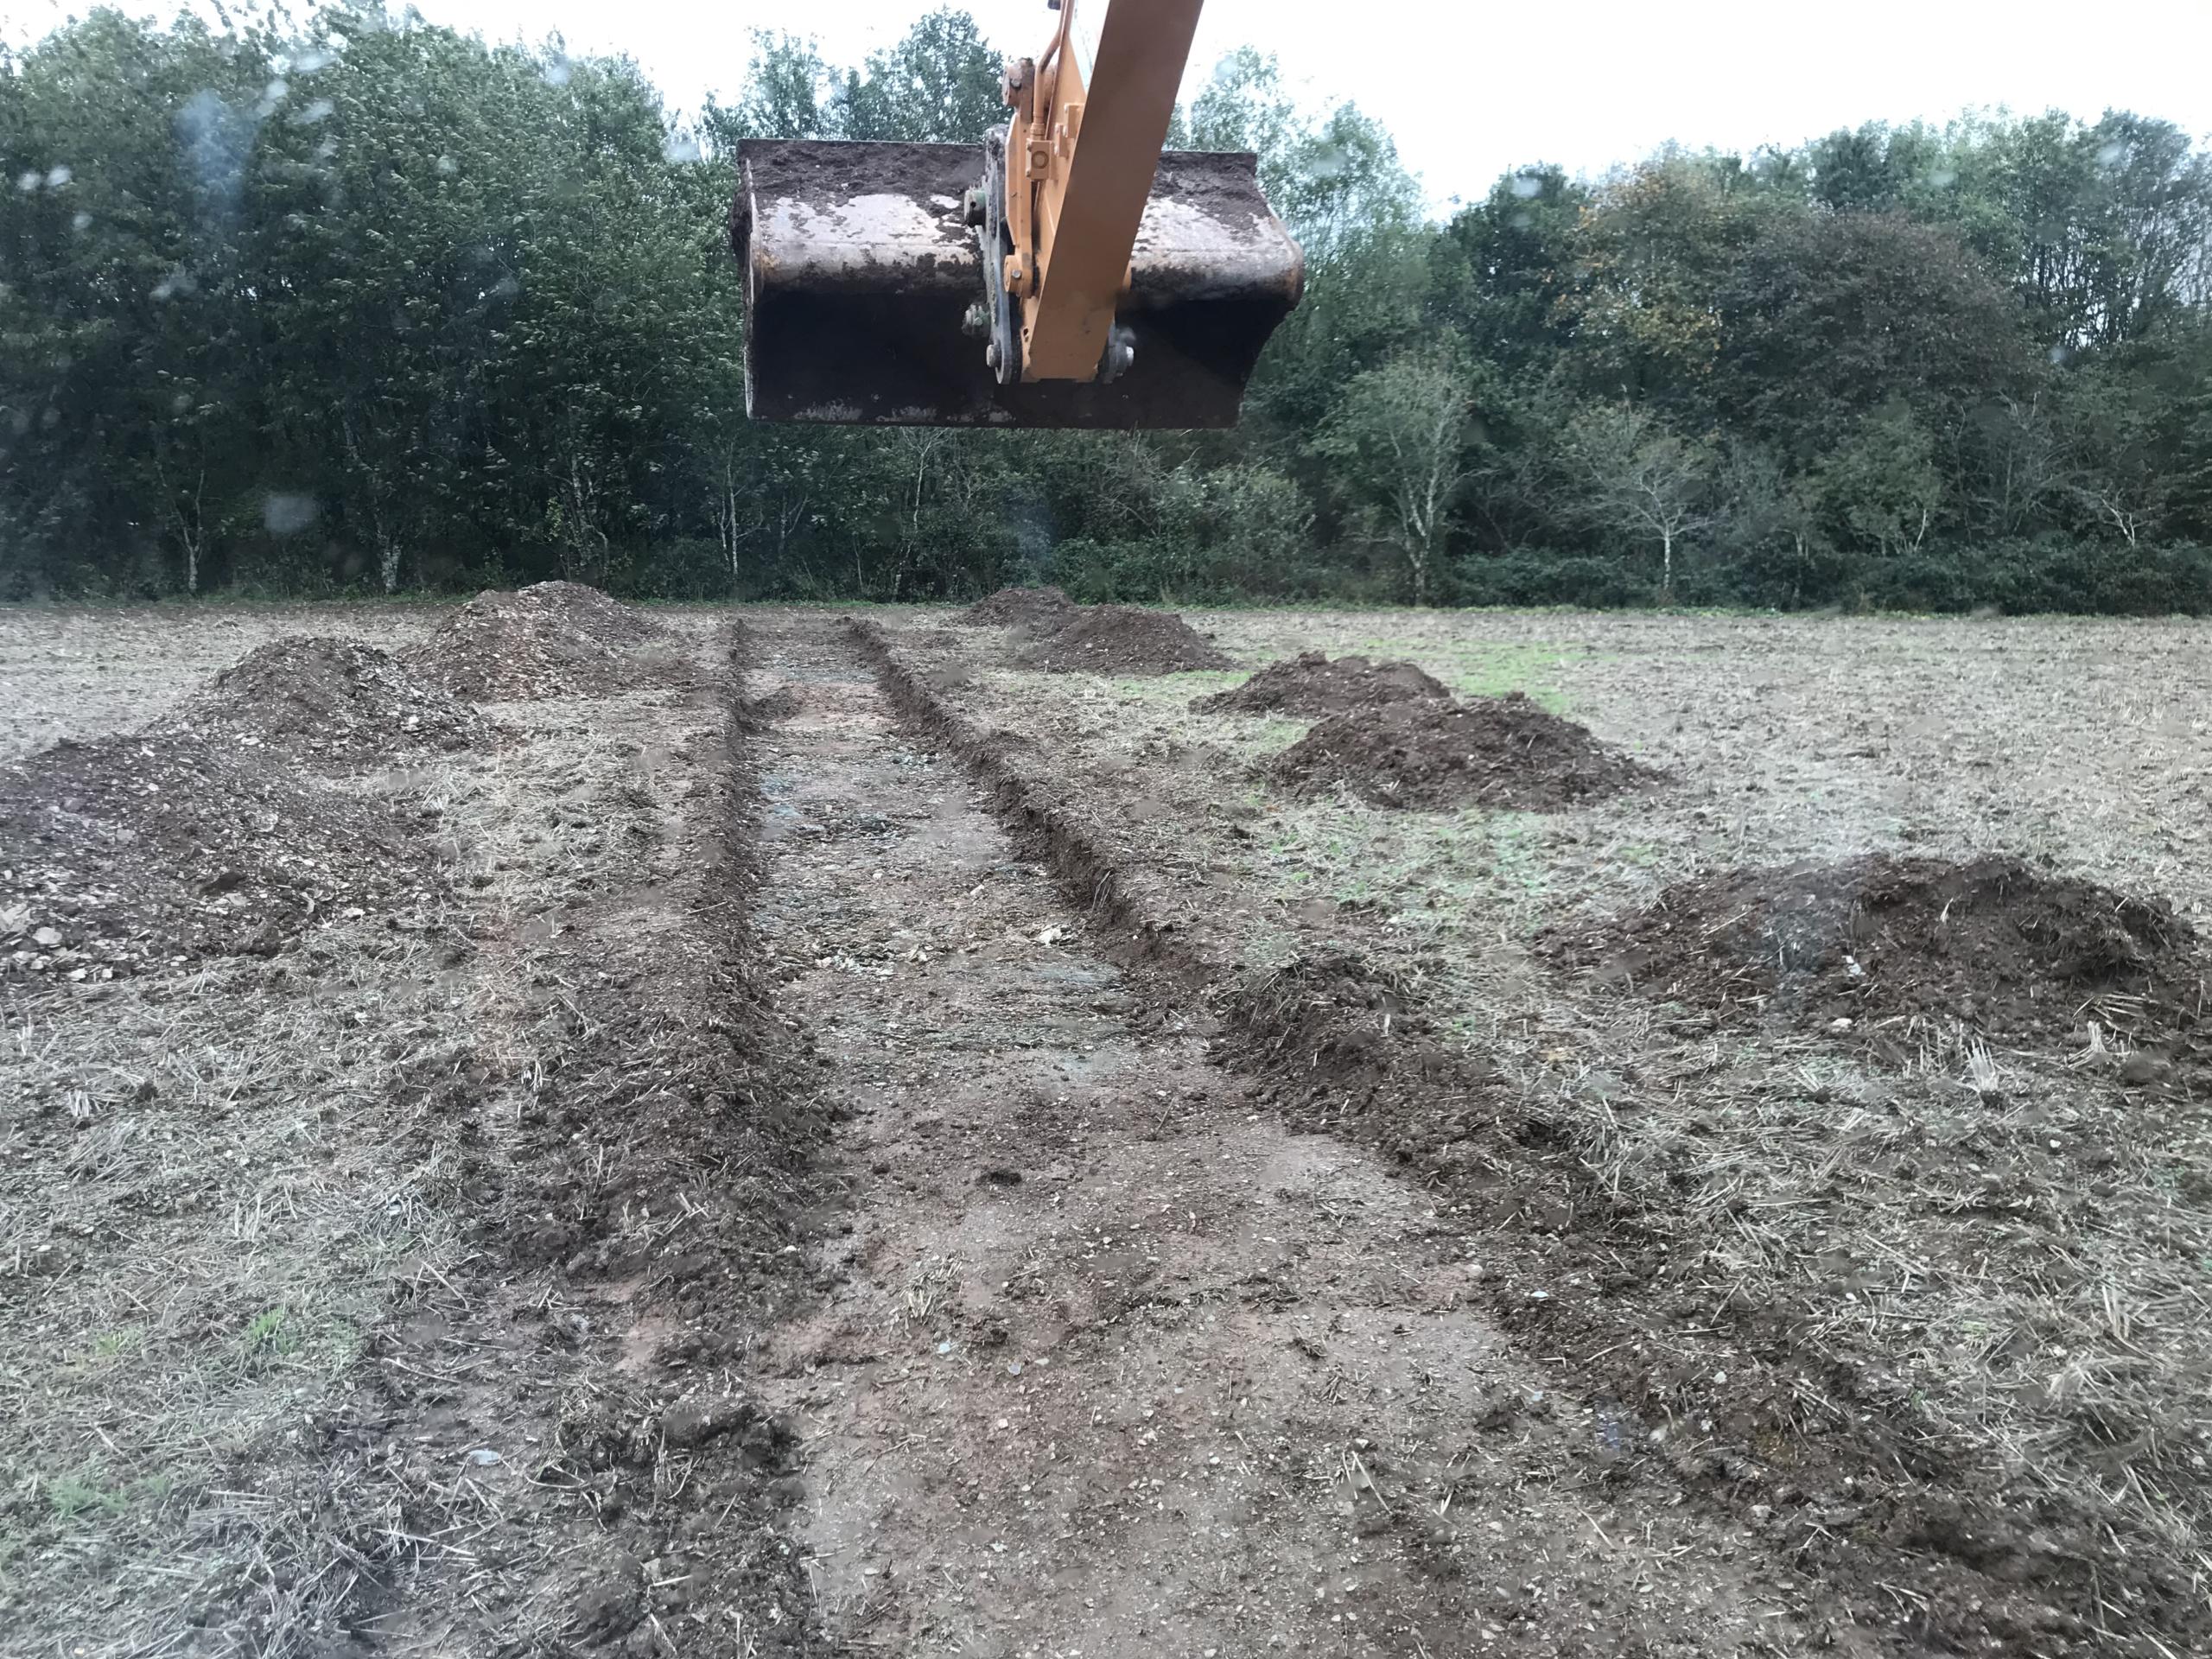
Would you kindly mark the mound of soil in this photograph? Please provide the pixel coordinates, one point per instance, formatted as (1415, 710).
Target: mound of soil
(332, 700)
(2013, 950)
(1118, 639)
(1311, 684)
(125, 854)
(1040, 609)
(1489, 751)
(555, 639)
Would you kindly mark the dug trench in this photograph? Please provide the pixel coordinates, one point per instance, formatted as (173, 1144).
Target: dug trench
(392, 1282)
(1896, 1537)
(1110, 1357)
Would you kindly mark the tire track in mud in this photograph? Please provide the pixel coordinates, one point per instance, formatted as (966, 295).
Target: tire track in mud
(1107, 1357)
(1909, 1555)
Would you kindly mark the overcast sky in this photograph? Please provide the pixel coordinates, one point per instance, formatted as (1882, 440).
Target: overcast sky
(1472, 90)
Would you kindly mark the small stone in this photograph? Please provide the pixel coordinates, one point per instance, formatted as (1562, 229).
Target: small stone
(46, 939)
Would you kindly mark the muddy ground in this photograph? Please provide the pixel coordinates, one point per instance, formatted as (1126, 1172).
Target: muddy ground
(833, 1138)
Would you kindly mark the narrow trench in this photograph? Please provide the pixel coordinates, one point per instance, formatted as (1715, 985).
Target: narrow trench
(1105, 1355)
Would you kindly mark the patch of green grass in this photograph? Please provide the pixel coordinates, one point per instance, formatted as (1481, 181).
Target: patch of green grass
(117, 1343)
(270, 1332)
(1435, 864)
(1480, 669)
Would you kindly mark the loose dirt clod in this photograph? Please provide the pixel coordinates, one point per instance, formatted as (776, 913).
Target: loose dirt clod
(1996, 943)
(1310, 683)
(1490, 751)
(126, 852)
(328, 699)
(1120, 639)
(556, 639)
(1040, 609)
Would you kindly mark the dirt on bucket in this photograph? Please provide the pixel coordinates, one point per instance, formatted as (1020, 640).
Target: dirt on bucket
(335, 700)
(1995, 943)
(1489, 751)
(1120, 639)
(1040, 609)
(554, 640)
(129, 854)
(1310, 683)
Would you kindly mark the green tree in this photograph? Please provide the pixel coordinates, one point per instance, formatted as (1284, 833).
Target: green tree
(1401, 434)
(1646, 481)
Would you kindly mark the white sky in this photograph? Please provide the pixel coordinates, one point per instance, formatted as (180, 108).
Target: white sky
(1470, 89)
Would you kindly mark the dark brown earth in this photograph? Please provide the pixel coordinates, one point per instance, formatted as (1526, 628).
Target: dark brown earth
(1040, 609)
(126, 854)
(1488, 751)
(2021, 953)
(1120, 639)
(1310, 683)
(330, 700)
(558, 638)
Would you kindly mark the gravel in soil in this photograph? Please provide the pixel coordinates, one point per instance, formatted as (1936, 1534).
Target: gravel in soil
(1120, 639)
(1041, 609)
(1310, 684)
(125, 854)
(2021, 953)
(554, 639)
(1505, 751)
(333, 701)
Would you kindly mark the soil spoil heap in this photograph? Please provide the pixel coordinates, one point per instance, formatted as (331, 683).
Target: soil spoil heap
(331, 700)
(555, 639)
(1312, 684)
(2017, 951)
(1118, 639)
(1040, 609)
(129, 852)
(1488, 752)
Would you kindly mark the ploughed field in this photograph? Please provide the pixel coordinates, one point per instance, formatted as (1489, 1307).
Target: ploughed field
(539, 1126)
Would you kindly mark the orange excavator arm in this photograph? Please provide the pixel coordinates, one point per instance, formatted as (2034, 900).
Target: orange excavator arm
(1081, 154)
(1085, 279)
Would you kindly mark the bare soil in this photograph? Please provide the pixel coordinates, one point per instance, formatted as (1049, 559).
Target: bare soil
(130, 853)
(1424, 753)
(1918, 1296)
(1112, 1357)
(1310, 683)
(331, 700)
(1120, 639)
(1039, 609)
(554, 640)
(856, 1143)
(2024, 955)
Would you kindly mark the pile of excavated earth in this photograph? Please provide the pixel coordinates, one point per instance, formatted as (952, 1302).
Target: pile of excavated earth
(330, 700)
(1310, 683)
(212, 832)
(554, 640)
(1022, 607)
(1426, 753)
(1063, 638)
(2022, 953)
(127, 854)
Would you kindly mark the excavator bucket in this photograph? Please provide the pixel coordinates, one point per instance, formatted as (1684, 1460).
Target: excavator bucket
(867, 304)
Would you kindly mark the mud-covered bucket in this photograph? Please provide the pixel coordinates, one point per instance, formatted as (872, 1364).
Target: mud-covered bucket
(861, 270)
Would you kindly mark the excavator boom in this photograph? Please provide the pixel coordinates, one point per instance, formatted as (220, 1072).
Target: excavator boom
(1066, 273)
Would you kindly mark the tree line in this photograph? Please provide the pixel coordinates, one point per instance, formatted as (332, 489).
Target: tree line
(362, 304)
